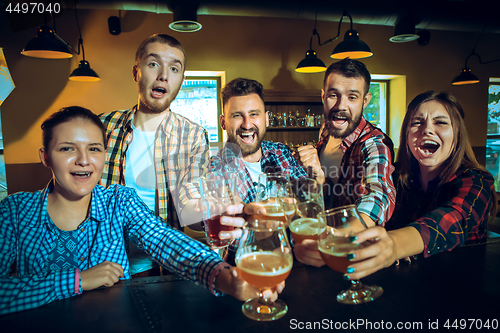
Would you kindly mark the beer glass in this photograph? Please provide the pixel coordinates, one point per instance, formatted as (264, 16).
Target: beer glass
(336, 226)
(271, 187)
(218, 191)
(307, 203)
(264, 259)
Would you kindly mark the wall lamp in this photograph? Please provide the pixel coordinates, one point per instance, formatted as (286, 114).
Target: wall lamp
(48, 45)
(351, 47)
(466, 76)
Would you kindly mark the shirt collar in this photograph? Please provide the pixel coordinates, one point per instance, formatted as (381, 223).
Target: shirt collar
(166, 125)
(97, 213)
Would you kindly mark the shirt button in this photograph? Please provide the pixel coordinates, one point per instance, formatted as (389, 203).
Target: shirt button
(82, 229)
(82, 259)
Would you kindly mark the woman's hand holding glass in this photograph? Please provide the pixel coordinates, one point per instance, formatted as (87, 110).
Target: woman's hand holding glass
(389, 247)
(338, 245)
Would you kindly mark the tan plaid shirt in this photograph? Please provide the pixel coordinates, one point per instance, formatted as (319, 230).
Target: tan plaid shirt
(181, 157)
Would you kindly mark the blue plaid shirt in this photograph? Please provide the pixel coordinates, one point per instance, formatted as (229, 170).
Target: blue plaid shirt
(27, 234)
(276, 158)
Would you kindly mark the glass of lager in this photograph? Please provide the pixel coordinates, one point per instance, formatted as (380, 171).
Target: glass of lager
(307, 203)
(335, 227)
(264, 259)
(272, 187)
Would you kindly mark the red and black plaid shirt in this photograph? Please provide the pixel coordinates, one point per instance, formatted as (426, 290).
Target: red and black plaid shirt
(448, 215)
(365, 177)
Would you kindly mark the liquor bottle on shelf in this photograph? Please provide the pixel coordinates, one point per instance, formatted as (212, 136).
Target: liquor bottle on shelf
(291, 119)
(279, 121)
(271, 119)
(285, 120)
(298, 122)
(309, 119)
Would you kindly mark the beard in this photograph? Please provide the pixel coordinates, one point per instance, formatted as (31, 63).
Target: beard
(245, 148)
(337, 133)
(155, 105)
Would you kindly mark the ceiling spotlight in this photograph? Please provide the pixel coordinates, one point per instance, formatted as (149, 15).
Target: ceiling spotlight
(404, 31)
(185, 18)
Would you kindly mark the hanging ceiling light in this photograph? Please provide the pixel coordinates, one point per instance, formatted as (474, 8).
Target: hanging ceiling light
(466, 76)
(83, 73)
(47, 45)
(185, 18)
(311, 64)
(352, 47)
(404, 31)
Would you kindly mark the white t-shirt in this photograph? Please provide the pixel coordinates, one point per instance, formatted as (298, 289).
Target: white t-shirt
(254, 169)
(331, 158)
(140, 170)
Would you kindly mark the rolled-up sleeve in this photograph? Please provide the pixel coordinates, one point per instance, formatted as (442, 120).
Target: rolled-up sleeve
(378, 198)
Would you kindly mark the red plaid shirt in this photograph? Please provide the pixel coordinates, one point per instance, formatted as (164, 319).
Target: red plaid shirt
(448, 215)
(365, 178)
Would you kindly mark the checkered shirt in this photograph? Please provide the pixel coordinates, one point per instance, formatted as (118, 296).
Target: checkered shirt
(448, 215)
(365, 173)
(27, 235)
(276, 158)
(181, 155)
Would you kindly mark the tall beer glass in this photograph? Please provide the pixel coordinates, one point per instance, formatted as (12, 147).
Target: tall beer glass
(335, 227)
(271, 187)
(307, 203)
(264, 259)
(218, 191)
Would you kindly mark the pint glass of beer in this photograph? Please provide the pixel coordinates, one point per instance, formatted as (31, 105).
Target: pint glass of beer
(218, 191)
(335, 226)
(264, 259)
(271, 192)
(307, 203)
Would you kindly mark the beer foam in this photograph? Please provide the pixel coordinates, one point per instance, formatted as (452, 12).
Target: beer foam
(266, 263)
(305, 226)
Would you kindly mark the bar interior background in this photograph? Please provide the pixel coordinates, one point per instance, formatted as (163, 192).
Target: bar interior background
(263, 40)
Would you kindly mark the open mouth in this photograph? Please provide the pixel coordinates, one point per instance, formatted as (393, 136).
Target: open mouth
(429, 147)
(81, 175)
(158, 92)
(339, 121)
(248, 137)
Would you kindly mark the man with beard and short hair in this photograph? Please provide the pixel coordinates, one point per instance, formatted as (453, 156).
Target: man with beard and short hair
(153, 150)
(245, 120)
(355, 156)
